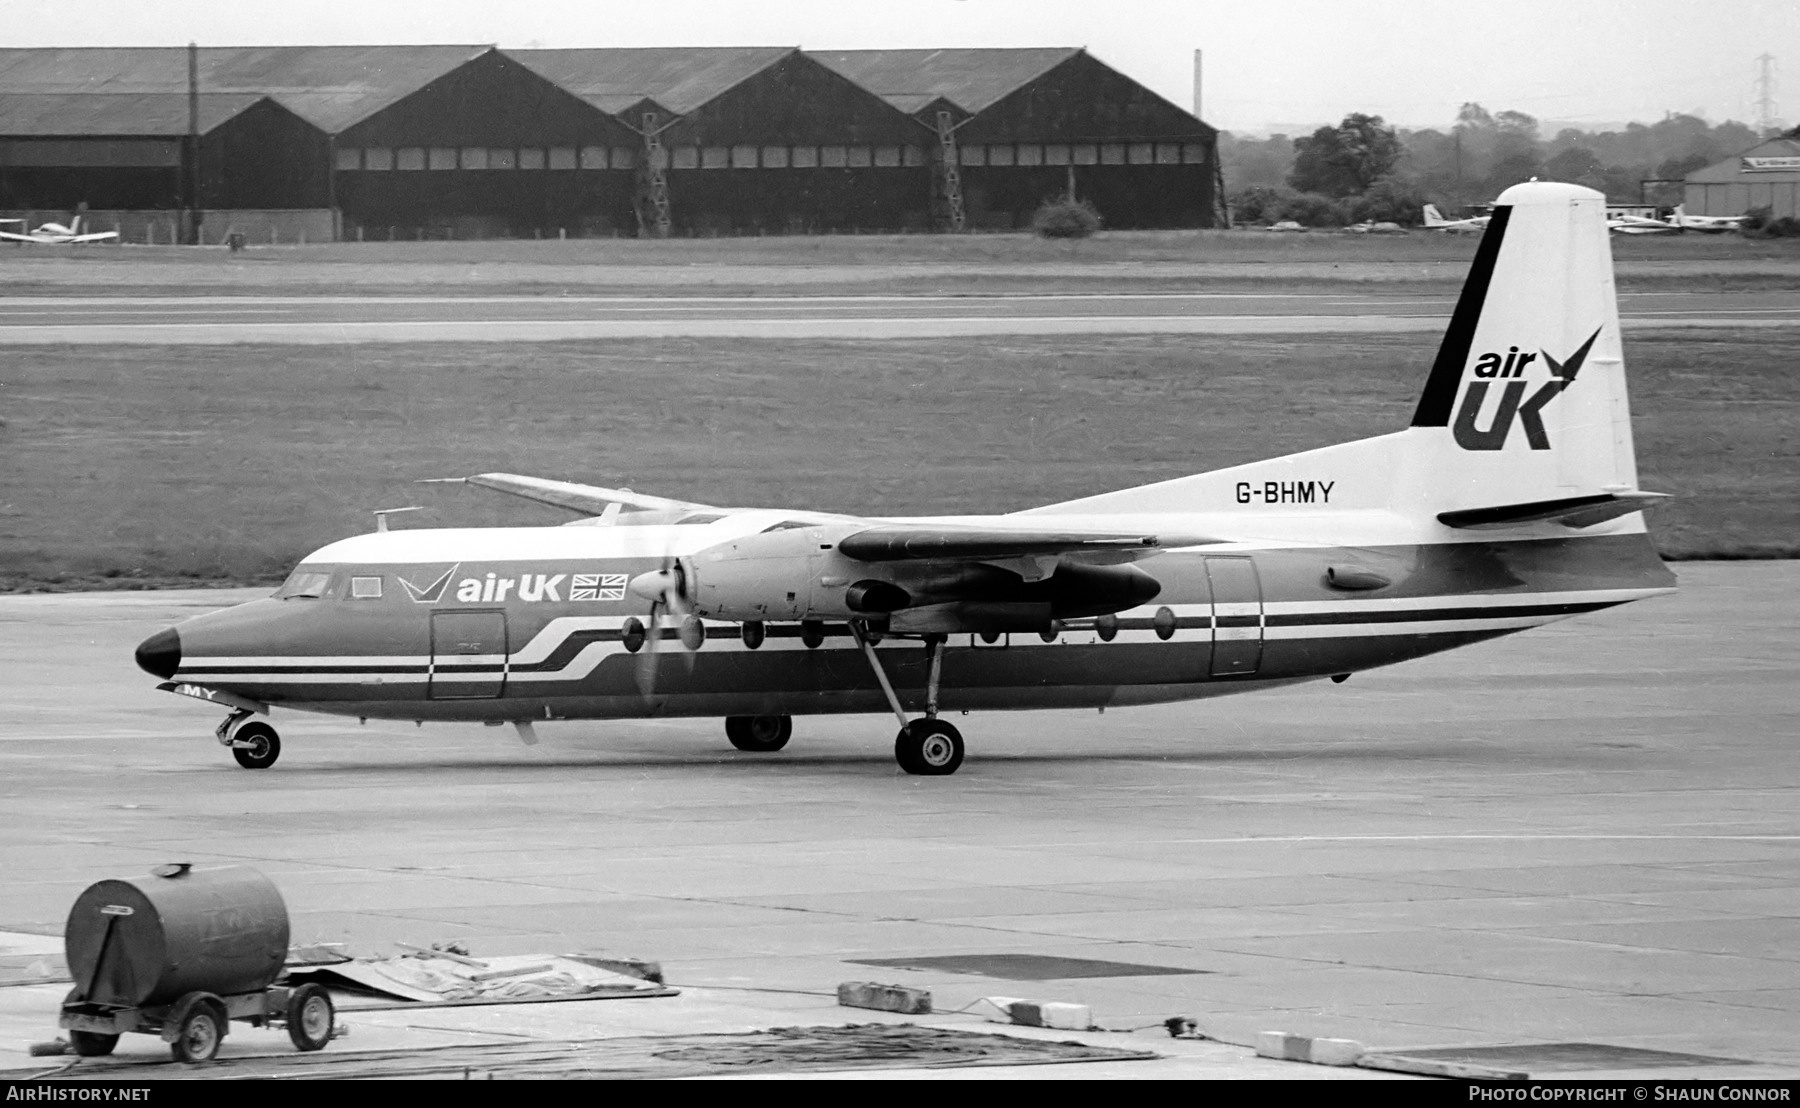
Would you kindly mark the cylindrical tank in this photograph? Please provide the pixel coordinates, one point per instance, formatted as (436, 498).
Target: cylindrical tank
(141, 941)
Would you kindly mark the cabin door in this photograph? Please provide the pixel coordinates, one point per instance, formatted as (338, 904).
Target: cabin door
(468, 655)
(1237, 616)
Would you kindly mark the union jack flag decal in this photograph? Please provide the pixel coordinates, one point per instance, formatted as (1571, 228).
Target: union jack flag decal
(597, 586)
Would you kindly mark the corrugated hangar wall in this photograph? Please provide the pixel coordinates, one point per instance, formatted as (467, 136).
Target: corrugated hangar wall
(470, 142)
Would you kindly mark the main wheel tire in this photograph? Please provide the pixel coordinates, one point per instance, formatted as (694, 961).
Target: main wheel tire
(929, 748)
(264, 748)
(92, 1044)
(310, 1017)
(200, 1030)
(759, 734)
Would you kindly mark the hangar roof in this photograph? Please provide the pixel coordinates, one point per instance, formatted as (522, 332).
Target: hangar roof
(679, 78)
(328, 86)
(1735, 167)
(66, 114)
(972, 79)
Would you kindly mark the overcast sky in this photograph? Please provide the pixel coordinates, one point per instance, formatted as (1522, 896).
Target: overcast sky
(1266, 61)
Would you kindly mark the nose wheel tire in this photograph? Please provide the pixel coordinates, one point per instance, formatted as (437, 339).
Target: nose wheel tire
(759, 734)
(262, 745)
(929, 748)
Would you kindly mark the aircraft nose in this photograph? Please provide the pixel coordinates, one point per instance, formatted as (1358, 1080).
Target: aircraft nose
(160, 654)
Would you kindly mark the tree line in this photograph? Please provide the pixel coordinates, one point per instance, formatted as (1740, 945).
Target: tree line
(1364, 169)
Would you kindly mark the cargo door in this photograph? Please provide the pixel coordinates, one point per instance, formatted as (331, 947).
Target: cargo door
(1237, 616)
(468, 655)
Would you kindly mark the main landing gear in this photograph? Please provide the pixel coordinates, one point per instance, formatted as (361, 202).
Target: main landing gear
(253, 743)
(927, 747)
(759, 734)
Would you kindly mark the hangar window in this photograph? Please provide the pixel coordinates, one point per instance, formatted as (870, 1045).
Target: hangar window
(593, 157)
(1141, 153)
(1168, 153)
(1193, 153)
(365, 588)
(686, 157)
(805, 157)
(349, 159)
(499, 158)
(972, 155)
(409, 157)
(774, 157)
(743, 157)
(860, 157)
(1085, 153)
(304, 584)
(474, 157)
(1000, 155)
(1057, 153)
(715, 157)
(887, 155)
(623, 157)
(562, 157)
(443, 157)
(378, 157)
(912, 155)
(832, 157)
(1112, 153)
(531, 157)
(1030, 153)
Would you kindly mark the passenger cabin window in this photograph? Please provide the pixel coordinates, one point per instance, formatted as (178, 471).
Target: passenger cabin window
(304, 584)
(365, 588)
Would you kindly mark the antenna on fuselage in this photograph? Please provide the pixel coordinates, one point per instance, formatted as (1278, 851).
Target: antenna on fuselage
(382, 514)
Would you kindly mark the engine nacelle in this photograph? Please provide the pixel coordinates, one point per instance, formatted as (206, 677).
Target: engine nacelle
(798, 573)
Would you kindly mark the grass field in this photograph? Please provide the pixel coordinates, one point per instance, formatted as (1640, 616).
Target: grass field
(860, 263)
(151, 465)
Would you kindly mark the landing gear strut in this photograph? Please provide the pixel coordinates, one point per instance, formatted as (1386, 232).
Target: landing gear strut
(759, 734)
(928, 747)
(253, 743)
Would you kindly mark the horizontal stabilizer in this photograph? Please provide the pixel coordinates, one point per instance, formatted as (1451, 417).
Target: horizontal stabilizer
(591, 499)
(1573, 511)
(892, 544)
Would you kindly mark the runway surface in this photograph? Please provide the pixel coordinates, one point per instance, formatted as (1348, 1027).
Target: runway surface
(1587, 833)
(338, 319)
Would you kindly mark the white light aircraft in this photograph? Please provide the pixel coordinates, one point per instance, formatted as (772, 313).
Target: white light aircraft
(1707, 224)
(56, 233)
(1435, 221)
(1510, 501)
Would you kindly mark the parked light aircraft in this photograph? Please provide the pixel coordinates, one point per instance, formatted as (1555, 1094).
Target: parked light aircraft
(1630, 221)
(1435, 221)
(56, 233)
(1509, 502)
(1709, 224)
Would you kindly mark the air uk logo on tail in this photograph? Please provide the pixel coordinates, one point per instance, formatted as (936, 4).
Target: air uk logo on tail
(1513, 404)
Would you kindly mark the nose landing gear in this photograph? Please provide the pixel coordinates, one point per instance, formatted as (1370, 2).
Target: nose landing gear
(253, 743)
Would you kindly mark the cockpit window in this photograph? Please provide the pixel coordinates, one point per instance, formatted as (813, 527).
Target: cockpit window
(365, 588)
(786, 525)
(305, 584)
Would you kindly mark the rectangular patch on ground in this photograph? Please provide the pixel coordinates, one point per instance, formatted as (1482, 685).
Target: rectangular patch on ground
(779, 1050)
(1542, 1058)
(1025, 967)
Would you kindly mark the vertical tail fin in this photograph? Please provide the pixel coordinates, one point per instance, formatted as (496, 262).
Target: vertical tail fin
(1526, 399)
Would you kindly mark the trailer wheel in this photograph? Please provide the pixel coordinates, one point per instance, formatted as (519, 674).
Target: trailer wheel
(310, 1017)
(199, 1028)
(92, 1044)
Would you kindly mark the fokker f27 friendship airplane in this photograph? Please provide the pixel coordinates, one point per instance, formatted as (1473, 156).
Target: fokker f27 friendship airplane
(1511, 501)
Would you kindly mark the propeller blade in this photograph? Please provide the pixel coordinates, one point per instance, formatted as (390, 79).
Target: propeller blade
(646, 667)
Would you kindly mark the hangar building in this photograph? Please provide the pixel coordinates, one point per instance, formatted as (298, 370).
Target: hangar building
(1765, 176)
(474, 141)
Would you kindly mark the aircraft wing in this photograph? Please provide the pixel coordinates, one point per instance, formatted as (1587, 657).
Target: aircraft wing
(14, 236)
(591, 499)
(97, 236)
(893, 543)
